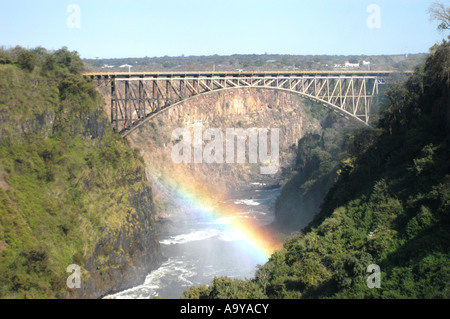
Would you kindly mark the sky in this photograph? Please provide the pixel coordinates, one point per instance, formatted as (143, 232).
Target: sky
(140, 28)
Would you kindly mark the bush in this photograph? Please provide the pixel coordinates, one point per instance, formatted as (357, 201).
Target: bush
(27, 61)
(5, 58)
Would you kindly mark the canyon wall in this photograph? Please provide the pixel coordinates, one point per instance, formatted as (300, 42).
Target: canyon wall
(239, 108)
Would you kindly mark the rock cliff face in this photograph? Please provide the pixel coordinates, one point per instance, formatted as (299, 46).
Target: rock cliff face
(122, 258)
(240, 108)
(123, 255)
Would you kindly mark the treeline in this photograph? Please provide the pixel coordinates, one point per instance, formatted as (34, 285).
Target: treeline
(254, 62)
(389, 206)
(61, 60)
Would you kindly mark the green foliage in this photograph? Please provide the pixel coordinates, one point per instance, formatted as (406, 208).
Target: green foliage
(49, 63)
(5, 58)
(64, 188)
(199, 292)
(27, 61)
(69, 60)
(226, 288)
(425, 162)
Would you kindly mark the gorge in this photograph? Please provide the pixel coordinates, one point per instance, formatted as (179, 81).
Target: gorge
(73, 192)
(212, 184)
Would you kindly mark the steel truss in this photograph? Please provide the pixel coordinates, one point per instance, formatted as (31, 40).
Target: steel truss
(134, 99)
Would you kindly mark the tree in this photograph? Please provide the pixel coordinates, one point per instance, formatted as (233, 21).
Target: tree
(440, 13)
(49, 63)
(263, 275)
(71, 60)
(27, 60)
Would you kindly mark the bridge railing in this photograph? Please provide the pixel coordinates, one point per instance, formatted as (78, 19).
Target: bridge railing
(106, 75)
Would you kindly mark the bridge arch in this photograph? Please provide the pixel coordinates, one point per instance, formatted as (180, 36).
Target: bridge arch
(127, 131)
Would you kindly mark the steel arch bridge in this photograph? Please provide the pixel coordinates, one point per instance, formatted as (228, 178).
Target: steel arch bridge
(138, 97)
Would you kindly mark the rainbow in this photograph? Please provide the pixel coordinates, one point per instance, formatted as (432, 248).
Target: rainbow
(254, 241)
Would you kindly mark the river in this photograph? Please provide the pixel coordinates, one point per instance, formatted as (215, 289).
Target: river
(201, 249)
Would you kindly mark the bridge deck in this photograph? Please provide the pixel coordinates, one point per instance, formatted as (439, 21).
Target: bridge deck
(116, 75)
